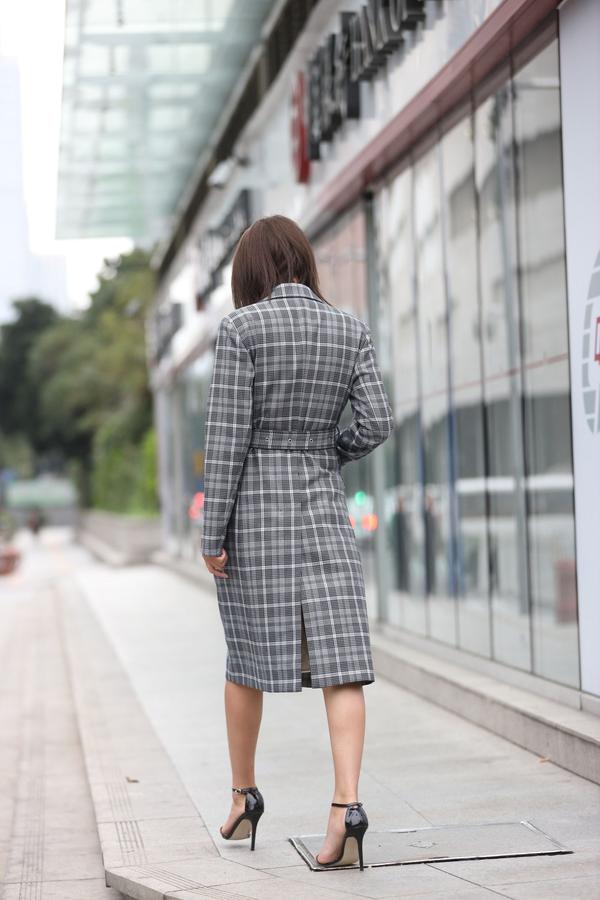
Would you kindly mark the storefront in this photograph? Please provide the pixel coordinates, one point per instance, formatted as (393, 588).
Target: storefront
(421, 146)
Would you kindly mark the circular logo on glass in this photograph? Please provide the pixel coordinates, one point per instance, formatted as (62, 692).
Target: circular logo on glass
(590, 371)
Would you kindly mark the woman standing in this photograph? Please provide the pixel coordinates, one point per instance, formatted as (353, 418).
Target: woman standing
(276, 534)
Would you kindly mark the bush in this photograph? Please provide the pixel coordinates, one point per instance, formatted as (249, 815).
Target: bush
(124, 475)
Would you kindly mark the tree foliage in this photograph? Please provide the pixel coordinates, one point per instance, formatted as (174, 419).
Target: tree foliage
(85, 384)
(19, 413)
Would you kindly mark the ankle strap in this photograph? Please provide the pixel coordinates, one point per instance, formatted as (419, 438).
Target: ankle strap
(348, 805)
(244, 790)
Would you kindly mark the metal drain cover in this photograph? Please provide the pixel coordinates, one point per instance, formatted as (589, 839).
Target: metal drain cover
(404, 846)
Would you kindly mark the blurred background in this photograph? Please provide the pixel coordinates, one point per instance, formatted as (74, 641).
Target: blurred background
(434, 152)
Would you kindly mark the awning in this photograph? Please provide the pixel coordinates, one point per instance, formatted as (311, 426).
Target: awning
(144, 85)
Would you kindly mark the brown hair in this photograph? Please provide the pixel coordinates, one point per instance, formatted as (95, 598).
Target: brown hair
(273, 250)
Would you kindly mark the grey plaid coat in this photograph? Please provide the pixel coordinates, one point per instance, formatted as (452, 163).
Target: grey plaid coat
(293, 608)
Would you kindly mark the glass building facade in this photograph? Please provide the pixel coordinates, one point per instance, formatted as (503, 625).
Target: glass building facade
(456, 255)
(479, 518)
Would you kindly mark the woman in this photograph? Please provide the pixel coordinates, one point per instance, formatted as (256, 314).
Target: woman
(276, 533)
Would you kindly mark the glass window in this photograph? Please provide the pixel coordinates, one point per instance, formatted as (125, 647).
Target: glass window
(471, 564)
(341, 260)
(404, 523)
(494, 173)
(546, 368)
(433, 365)
(479, 516)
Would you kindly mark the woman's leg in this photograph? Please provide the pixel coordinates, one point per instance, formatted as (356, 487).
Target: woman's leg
(345, 705)
(243, 714)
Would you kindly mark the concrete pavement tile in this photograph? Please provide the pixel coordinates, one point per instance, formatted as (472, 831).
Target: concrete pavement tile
(573, 828)
(116, 801)
(132, 887)
(81, 889)
(586, 887)
(266, 854)
(377, 882)
(154, 840)
(144, 764)
(225, 892)
(525, 868)
(155, 881)
(220, 871)
(53, 865)
(279, 888)
(59, 837)
(355, 887)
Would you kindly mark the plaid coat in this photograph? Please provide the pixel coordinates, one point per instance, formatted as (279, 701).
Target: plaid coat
(274, 497)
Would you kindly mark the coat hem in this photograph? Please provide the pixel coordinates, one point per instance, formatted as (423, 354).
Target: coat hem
(316, 682)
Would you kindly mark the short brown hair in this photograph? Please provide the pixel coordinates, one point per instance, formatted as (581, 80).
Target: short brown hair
(273, 250)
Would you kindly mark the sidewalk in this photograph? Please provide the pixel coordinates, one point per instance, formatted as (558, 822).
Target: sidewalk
(147, 660)
(49, 847)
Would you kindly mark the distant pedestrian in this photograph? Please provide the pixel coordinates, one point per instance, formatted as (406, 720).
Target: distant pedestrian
(276, 532)
(35, 520)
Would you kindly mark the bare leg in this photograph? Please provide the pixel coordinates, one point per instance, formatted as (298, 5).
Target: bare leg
(345, 706)
(243, 713)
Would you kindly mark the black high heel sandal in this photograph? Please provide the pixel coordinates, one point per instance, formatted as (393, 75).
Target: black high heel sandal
(246, 822)
(356, 823)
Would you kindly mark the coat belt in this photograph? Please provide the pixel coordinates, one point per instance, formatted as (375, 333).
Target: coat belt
(294, 440)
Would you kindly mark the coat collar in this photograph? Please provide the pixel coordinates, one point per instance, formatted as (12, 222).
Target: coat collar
(292, 289)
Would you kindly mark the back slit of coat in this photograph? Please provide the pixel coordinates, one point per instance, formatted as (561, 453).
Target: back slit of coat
(305, 658)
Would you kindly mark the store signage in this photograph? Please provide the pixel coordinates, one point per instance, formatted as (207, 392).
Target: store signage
(590, 363)
(299, 131)
(353, 54)
(216, 245)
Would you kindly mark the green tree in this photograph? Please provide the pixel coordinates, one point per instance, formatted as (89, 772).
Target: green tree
(92, 384)
(19, 398)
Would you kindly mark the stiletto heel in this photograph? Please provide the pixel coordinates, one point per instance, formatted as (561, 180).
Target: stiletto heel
(253, 810)
(254, 827)
(359, 841)
(356, 823)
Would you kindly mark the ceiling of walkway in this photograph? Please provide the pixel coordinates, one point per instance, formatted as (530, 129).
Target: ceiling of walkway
(144, 85)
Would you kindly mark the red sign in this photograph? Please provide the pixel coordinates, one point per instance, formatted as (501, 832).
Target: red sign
(299, 131)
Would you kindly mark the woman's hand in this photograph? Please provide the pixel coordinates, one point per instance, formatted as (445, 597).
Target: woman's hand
(216, 564)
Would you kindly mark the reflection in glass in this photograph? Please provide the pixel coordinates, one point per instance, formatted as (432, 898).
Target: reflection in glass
(405, 532)
(468, 431)
(433, 360)
(341, 262)
(193, 388)
(472, 269)
(494, 173)
(546, 368)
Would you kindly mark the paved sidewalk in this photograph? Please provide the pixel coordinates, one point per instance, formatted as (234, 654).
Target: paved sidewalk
(161, 636)
(49, 848)
(422, 764)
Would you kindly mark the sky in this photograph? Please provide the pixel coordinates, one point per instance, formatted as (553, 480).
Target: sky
(31, 31)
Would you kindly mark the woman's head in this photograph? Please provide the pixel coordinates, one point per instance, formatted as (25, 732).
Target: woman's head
(271, 251)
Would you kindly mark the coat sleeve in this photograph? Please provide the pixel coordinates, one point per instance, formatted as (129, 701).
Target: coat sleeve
(373, 419)
(227, 433)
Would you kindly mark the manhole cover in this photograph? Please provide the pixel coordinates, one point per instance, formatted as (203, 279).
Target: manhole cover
(404, 846)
